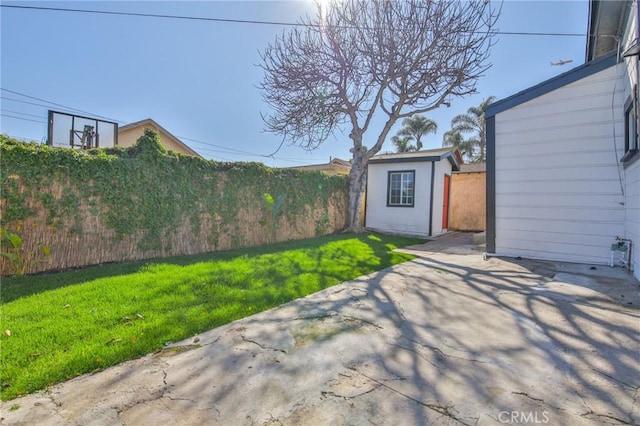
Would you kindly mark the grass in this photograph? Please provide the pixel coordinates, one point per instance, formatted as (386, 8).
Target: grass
(69, 323)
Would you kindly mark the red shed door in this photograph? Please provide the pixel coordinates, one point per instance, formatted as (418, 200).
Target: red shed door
(445, 204)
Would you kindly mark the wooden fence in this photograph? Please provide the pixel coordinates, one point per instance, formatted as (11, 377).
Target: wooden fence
(83, 235)
(468, 201)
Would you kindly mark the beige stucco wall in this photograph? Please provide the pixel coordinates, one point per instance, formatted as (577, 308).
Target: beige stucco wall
(467, 210)
(128, 137)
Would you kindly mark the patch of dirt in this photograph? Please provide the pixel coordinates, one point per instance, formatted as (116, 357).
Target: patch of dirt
(323, 328)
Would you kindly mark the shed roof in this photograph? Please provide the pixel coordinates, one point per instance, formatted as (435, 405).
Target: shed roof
(452, 154)
(336, 164)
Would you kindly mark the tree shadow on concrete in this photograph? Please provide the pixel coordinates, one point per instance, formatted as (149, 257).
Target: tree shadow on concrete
(438, 340)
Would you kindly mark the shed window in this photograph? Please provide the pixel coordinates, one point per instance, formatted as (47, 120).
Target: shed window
(630, 129)
(401, 188)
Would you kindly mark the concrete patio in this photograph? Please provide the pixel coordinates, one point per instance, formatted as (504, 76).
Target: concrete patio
(446, 339)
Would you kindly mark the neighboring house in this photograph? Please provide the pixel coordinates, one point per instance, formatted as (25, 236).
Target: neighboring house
(469, 198)
(563, 169)
(335, 166)
(408, 193)
(129, 134)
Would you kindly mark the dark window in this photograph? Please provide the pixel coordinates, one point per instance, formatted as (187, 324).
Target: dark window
(401, 188)
(630, 129)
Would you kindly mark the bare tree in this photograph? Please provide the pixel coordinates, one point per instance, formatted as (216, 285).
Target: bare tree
(359, 58)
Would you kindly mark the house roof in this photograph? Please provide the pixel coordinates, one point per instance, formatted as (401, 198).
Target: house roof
(554, 83)
(452, 154)
(606, 26)
(153, 123)
(333, 164)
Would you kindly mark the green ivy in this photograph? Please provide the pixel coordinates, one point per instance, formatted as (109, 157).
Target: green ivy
(147, 189)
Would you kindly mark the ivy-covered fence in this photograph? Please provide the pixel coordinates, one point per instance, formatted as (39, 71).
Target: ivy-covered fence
(120, 204)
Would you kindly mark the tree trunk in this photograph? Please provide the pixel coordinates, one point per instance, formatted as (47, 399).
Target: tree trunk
(357, 186)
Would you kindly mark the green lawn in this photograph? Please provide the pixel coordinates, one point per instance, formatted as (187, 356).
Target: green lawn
(65, 324)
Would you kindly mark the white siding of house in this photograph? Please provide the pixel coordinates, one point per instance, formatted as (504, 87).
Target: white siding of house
(632, 172)
(404, 220)
(558, 181)
(632, 213)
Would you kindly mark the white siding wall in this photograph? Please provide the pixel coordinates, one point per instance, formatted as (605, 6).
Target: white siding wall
(558, 186)
(632, 213)
(632, 172)
(408, 220)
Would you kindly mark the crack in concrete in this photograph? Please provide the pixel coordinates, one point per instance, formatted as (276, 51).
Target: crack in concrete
(591, 415)
(541, 401)
(361, 290)
(263, 347)
(615, 379)
(417, 353)
(221, 336)
(441, 409)
(48, 395)
(440, 351)
(378, 326)
(528, 396)
(273, 421)
(400, 307)
(155, 396)
(173, 398)
(174, 350)
(346, 397)
(314, 317)
(636, 403)
(347, 317)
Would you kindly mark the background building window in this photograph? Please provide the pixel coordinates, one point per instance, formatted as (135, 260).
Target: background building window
(401, 189)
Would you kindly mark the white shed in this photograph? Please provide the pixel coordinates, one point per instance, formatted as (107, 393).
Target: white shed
(408, 193)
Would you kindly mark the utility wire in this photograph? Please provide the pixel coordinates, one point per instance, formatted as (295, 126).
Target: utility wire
(20, 113)
(227, 150)
(31, 103)
(59, 105)
(22, 118)
(232, 150)
(154, 15)
(243, 21)
(222, 149)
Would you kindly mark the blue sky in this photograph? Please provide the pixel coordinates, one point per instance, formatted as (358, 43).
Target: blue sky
(198, 79)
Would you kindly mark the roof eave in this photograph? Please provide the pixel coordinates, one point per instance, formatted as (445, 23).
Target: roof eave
(449, 155)
(606, 26)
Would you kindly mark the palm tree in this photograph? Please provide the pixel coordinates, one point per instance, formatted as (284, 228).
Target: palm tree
(473, 122)
(455, 139)
(402, 143)
(416, 127)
